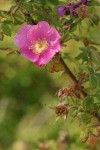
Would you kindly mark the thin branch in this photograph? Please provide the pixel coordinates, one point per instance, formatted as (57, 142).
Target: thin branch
(29, 18)
(11, 51)
(5, 49)
(68, 71)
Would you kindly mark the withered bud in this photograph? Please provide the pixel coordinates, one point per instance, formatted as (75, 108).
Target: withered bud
(92, 141)
(61, 92)
(69, 91)
(43, 146)
(82, 11)
(61, 109)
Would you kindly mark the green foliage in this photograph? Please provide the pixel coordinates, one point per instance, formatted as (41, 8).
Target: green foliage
(95, 3)
(5, 28)
(25, 87)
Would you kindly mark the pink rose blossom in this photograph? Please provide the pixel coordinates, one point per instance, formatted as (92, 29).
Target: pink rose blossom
(38, 43)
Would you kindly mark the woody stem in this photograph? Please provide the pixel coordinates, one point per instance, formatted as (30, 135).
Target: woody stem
(71, 75)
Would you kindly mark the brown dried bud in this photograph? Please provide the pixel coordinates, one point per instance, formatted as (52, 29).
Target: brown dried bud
(82, 11)
(92, 141)
(86, 42)
(61, 109)
(69, 91)
(43, 146)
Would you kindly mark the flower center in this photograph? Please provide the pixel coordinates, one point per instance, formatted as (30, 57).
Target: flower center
(39, 46)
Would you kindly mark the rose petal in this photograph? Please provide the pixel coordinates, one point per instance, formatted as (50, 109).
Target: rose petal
(43, 26)
(20, 38)
(52, 36)
(29, 54)
(56, 46)
(45, 57)
(39, 31)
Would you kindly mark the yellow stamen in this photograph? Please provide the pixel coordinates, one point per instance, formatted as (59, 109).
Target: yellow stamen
(39, 46)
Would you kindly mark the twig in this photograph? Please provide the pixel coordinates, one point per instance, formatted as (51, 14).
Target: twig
(67, 70)
(17, 52)
(5, 49)
(29, 18)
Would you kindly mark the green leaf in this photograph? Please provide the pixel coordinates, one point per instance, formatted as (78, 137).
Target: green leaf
(27, 6)
(92, 78)
(65, 38)
(92, 9)
(3, 13)
(73, 27)
(84, 53)
(7, 22)
(95, 57)
(85, 118)
(88, 103)
(6, 29)
(84, 135)
(55, 2)
(95, 18)
(83, 48)
(94, 3)
(79, 56)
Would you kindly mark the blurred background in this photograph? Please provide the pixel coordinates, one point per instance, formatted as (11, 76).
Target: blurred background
(26, 121)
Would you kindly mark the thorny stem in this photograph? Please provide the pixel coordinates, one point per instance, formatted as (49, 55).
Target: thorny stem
(68, 71)
(17, 52)
(84, 94)
(30, 19)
